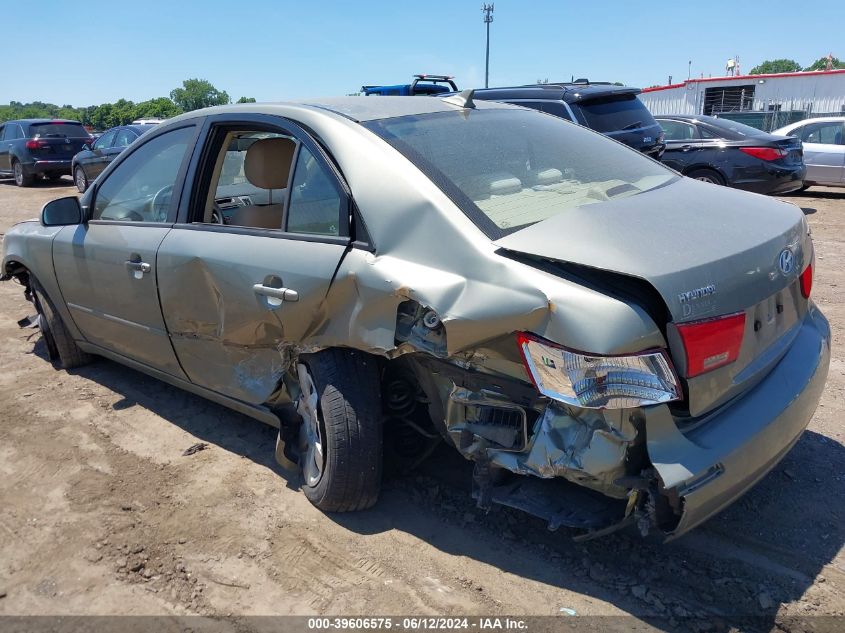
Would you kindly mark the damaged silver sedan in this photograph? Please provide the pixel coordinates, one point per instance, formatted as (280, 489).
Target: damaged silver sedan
(608, 342)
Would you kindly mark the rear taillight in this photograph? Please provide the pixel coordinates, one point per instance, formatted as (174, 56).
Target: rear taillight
(598, 382)
(36, 144)
(712, 343)
(807, 281)
(764, 153)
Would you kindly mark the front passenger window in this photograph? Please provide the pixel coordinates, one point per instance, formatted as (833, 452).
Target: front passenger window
(139, 189)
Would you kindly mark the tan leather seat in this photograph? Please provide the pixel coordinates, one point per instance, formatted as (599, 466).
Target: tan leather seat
(267, 166)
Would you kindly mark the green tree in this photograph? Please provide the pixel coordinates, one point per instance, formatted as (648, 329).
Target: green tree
(776, 66)
(198, 93)
(246, 100)
(160, 108)
(821, 64)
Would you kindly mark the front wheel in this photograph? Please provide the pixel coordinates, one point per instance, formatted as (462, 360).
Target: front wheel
(60, 344)
(80, 179)
(340, 439)
(706, 175)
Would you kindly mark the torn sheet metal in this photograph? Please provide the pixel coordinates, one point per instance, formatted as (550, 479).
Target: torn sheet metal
(581, 446)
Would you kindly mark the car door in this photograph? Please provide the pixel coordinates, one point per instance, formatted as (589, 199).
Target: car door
(824, 151)
(237, 300)
(4, 149)
(106, 268)
(95, 162)
(11, 132)
(683, 144)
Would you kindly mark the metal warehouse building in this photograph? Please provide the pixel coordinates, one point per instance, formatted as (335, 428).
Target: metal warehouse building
(765, 101)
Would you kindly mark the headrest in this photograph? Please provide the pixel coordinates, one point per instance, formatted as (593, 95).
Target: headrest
(268, 161)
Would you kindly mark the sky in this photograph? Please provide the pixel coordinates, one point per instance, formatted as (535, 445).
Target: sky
(97, 51)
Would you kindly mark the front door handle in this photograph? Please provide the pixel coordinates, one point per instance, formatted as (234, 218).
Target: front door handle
(285, 294)
(138, 267)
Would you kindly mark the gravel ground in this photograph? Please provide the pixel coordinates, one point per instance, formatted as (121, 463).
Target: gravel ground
(102, 514)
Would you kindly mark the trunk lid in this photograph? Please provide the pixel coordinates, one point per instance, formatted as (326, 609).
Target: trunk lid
(56, 140)
(708, 251)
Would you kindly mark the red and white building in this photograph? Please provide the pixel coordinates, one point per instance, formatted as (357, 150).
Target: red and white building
(814, 93)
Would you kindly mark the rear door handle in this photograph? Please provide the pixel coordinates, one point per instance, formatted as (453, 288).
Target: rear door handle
(285, 294)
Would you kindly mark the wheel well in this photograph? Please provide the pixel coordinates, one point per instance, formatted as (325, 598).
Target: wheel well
(705, 167)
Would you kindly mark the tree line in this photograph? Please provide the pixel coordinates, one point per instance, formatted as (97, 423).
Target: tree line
(192, 95)
(771, 66)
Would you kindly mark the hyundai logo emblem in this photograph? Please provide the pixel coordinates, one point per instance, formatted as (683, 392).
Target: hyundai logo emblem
(786, 261)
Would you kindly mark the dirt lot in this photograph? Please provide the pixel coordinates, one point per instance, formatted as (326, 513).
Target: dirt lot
(102, 514)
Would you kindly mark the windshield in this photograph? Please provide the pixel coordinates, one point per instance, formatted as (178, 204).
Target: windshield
(70, 130)
(616, 113)
(507, 169)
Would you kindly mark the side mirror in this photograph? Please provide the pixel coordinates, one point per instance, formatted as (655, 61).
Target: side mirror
(62, 212)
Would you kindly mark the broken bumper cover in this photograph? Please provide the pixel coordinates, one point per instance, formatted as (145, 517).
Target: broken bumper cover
(714, 464)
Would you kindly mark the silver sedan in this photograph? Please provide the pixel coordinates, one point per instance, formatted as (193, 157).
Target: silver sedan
(824, 149)
(608, 342)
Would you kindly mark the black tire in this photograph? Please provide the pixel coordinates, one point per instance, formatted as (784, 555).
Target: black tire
(60, 345)
(21, 178)
(80, 179)
(706, 175)
(347, 384)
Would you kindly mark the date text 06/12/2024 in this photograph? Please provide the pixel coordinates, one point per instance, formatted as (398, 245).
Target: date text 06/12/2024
(416, 623)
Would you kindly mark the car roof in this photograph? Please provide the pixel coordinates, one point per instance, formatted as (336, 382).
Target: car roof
(39, 121)
(359, 109)
(569, 92)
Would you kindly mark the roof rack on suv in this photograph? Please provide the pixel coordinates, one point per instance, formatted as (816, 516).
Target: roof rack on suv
(422, 84)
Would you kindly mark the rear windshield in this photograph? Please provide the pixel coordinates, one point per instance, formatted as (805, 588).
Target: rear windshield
(617, 113)
(738, 129)
(70, 130)
(507, 169)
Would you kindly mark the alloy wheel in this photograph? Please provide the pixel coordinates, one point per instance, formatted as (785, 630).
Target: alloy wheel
(311, 454)
(18, 174)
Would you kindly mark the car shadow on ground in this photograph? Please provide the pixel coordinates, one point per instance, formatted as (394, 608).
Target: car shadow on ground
(735, 571)
(41, 183)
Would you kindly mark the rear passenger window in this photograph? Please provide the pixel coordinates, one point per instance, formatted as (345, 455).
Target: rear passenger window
(677, 131)
(315, 202)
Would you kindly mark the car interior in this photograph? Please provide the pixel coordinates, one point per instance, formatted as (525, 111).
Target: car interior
(257, 175)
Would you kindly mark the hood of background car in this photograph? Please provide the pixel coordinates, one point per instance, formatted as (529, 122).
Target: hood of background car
(707, 250)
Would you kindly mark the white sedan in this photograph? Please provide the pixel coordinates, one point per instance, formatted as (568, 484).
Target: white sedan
(824, 149)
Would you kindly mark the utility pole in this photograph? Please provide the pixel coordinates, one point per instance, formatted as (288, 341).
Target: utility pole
(487, 9)
(689, 69)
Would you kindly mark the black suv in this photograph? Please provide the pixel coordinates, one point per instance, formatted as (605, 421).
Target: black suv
(39, 147)
(615, 111)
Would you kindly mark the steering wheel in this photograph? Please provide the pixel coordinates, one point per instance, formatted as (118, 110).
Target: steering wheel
(160, 204)
(217, 214)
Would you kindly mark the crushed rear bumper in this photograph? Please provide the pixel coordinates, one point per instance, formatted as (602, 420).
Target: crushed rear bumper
(711, 466)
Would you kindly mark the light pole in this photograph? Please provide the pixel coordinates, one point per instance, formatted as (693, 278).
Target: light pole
(487, 9)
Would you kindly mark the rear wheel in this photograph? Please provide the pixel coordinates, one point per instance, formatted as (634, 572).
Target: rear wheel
(80, 179)
(706, 175)
(340, 440)
(21, 179)
(60, 344)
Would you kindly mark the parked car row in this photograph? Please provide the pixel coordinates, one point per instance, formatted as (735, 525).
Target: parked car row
(52, 148)
(710, 149)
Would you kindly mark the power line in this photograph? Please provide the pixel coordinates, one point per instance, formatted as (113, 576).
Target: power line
(487, 9)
